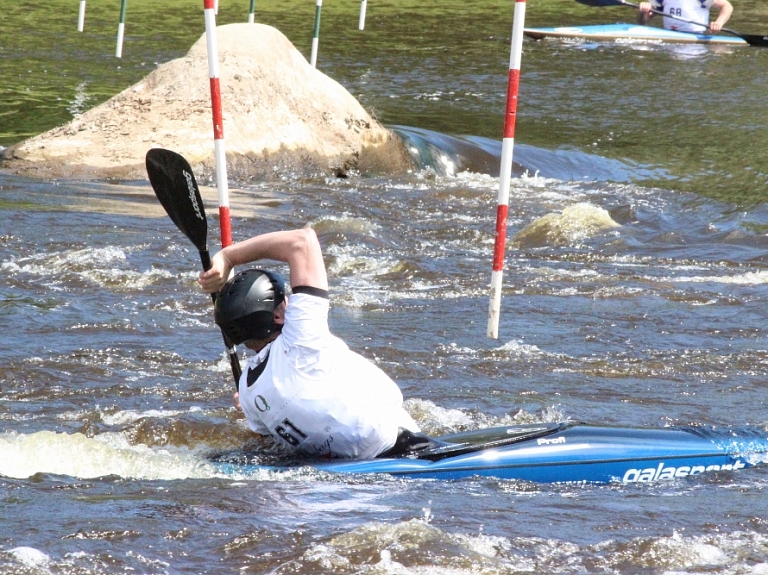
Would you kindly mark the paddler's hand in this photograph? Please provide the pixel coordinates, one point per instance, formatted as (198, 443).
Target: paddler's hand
(214, 279)
(644, 12)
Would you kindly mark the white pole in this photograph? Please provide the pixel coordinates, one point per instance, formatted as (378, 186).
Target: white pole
(363, 4)
(81, 17)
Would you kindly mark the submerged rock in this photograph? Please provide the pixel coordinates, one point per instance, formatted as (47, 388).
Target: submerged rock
(281, 116)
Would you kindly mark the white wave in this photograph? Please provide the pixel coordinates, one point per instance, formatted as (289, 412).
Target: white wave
(749, 278)
(512, 348)
(435, 420)
(129, 416)
(522, 349)
(417, 547)
(30, 557)
(49, 263)
(80, 102)
(349, 261)
(76, 455)
(345, 223)
(98, 265)
(432, 417)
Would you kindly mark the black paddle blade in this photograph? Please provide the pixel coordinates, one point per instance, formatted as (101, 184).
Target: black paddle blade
(175, 186)
(756, 40)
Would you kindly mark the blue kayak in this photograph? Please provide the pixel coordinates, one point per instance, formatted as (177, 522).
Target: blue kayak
(567, 452)
(630, 32)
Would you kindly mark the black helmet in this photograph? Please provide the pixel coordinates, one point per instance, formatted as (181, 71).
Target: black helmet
(245, 304)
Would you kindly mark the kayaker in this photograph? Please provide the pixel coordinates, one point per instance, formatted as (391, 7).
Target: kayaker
(303, 385)
(695, 10)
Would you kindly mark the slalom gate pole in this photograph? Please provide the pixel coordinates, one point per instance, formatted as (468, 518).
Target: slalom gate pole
(505, 173)
(81, 17)
(316, 34)
(251, 12)
(218, 124)
(121, 30)
(363, 4)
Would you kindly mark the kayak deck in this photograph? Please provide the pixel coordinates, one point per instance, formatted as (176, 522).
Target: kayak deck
(567, 453)
(631, 32)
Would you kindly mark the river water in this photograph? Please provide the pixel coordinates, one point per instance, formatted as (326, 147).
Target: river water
(639, 299)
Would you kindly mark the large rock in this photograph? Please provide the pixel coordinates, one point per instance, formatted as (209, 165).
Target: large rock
(281, 116)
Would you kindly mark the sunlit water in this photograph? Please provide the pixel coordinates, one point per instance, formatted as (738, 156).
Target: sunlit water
(635, 289)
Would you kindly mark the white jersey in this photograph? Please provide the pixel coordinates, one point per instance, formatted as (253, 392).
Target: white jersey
(318, 396)
(694, 10)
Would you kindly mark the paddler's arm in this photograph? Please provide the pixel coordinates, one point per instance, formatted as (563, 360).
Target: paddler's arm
(726, 9)
(644, 13)
(300, 249)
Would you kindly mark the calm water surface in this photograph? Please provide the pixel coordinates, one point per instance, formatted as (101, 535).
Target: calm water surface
(114, 392)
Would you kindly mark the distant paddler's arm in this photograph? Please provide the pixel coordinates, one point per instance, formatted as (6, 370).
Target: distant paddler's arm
(644, 12)
(300, 249)
(726, 9)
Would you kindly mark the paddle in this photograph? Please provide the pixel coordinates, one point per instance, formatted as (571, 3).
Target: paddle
(751, 39)
(175, 186)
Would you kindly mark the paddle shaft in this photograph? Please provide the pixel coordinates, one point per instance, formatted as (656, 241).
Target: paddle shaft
(234, 361)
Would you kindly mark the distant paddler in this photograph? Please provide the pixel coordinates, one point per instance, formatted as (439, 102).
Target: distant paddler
(675, 11)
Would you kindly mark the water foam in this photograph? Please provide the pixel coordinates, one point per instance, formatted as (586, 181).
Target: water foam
(76, 455)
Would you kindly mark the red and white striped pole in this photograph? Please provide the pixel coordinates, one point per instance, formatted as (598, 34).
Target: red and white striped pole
(505, 173)
(218, 124)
